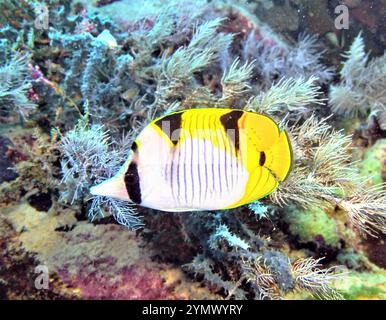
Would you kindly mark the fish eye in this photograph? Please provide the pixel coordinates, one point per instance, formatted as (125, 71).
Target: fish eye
(131, 178)
(262, 158)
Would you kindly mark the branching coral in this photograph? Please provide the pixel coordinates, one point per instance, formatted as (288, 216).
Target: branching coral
(204, 47)
(16, 23)
(89, 157)
(293, 96)
(143, 66)
(314, 144)
(97, 74)
(323, 175)
(171, 25)
(258, 273)
(235, 81)
(306, 276)
(15, 82)
(363, 82)
(366, 209)
(282, 60)
(259, 209)
(177, 70)
(123, 212)
(243, 266)
(222, 231)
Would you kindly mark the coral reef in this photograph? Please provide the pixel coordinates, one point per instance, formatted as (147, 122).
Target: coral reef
(87, 84)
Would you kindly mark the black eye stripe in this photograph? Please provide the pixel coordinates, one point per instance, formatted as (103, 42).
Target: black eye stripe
(131, 178)
(132, 183)
(134, 146)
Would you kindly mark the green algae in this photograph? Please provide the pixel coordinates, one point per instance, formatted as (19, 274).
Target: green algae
(359, 286)
(310, 223)
(373, 164)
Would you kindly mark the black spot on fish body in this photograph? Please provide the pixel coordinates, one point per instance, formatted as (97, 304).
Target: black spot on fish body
(132, 183)
(230, 124)
(262, 158)
(171, 126)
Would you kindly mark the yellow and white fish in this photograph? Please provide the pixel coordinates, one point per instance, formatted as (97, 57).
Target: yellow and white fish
(202, 159)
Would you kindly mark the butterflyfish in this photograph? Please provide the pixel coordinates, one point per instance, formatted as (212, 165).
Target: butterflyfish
(202, 159)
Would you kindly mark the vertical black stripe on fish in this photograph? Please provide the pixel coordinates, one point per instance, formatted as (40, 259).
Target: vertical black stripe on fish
(191, 128)
(205, 161)
(231, 162)
(178, 173)
(200, 188)
(230, 124)
(132, 183)
(206, 170)
(172, 175)
(237, 171)
(219, 147)
(225, 160)
(211, 121)
(165, 167)
(185, 157)
(171, 126)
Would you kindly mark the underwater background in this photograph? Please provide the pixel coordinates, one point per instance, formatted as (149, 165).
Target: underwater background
(80, 79)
